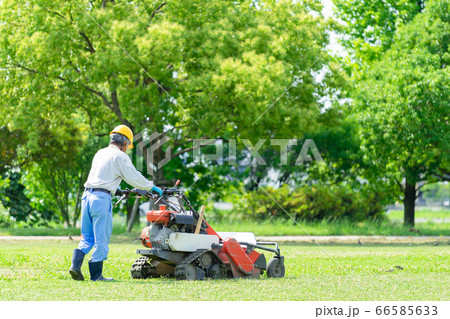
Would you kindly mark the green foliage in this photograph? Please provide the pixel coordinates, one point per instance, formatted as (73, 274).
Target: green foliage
(10, 142)
(339, 145)
(5, 219)
(401, 96)
(371, 25)
(13, 198)
(191, 69)
(56, 183)
(210, 68)
(221, 65)
(403, 101)
(310, 203)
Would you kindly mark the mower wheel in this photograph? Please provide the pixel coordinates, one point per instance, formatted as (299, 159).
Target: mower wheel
(205, 260)
(216, 271)
(186, 272)
(275, 268)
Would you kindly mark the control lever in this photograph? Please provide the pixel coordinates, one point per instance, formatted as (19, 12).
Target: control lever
(126, 193)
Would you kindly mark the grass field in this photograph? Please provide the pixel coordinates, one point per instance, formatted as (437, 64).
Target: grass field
(391, 227)
(38, 271)
(388, 228)
(421, 214)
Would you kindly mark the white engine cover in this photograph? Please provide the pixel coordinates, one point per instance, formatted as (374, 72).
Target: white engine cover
(191, 242)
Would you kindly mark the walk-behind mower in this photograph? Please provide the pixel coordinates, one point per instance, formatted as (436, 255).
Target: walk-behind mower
(179, 242)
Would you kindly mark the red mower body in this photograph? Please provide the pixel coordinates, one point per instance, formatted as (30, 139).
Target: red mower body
(176, 245)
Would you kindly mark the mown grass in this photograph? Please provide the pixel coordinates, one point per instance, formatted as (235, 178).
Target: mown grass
(54, 230)
(38, 271)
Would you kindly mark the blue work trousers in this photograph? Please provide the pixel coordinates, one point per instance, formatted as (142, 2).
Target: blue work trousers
(96, 224)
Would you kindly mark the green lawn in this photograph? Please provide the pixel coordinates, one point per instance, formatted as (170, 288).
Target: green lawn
(421, 213)
(391, 227)
(388, 228)
(38, 271)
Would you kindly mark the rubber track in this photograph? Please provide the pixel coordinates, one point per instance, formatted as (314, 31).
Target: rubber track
(180, 268)
(136, 268)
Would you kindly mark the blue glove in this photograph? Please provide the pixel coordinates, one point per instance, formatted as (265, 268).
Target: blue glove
(157, 189)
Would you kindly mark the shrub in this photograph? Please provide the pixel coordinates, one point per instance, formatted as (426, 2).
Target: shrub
(309, 203)
(5, 220)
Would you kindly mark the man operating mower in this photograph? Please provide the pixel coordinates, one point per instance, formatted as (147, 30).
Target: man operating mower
(109, 166)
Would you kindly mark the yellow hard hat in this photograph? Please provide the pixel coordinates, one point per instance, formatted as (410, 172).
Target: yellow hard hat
(124, 130)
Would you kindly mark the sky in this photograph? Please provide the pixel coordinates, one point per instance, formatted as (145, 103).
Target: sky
(327, 8)
(334, 46)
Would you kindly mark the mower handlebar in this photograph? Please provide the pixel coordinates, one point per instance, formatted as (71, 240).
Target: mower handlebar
(167, 191)
(148, 194)
(140, 192)
(171, 191)
(151, 194)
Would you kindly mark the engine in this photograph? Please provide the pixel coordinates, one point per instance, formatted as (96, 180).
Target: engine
(164, 223)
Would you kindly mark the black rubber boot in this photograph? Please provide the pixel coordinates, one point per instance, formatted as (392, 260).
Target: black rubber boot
(96, 270)
(77, 261)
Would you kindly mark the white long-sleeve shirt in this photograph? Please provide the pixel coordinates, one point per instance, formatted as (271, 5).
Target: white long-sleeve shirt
(109, 166)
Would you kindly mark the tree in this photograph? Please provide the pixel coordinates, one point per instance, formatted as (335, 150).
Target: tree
(10, 142)
(54, 179)
(14, 199)
(403, 106)
(371, 25)
(13, 165)
(188, 69)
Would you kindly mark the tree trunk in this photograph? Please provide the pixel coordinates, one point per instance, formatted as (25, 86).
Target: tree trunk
(409, 203)
(65, 215)
(134, 218)
(158, 176)
(77, 211)
(129, 208)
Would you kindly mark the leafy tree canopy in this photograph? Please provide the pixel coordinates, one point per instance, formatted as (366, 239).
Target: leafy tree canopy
(403, 104)
(211, 68)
